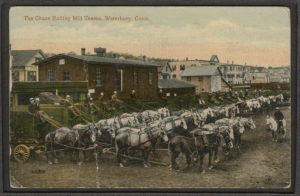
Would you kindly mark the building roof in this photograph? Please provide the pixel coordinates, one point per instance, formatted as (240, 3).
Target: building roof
(205, 70)
(21, 57)
(173, 83)
(161, 65)
(99, 59)
(214, 58)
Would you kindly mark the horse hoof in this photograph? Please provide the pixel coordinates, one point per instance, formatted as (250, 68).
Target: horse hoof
(217, 161)
(210, 167)
(79, 163)
(145, 165)
(55, 161)
(121, 165)
(50, 162)
(202, 171)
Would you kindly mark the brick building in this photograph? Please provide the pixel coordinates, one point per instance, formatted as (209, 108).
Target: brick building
(103, 74)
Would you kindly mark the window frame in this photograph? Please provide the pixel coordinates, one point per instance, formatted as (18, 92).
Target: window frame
(29, 76)
(61, 61)
(49, 77)
(64, 74)
(135, 78)
(15, 76)
(150, 78)
(98, 77)
(121, 79)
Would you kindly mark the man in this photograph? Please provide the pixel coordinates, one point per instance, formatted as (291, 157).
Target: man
(69, 103)
(132, 95)
(278, 117)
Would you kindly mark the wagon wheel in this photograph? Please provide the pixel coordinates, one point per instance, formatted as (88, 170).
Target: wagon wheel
(21, 153)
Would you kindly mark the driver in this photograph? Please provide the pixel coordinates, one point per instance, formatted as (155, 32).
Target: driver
(278, 117)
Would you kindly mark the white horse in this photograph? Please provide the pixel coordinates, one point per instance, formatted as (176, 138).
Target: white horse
(273, 126)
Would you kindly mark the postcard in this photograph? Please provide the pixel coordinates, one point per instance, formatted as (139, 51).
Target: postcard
(150, 97)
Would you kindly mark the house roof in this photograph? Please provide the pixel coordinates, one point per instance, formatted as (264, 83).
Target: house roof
(173, 83)
(205, 70)
(99, 59)
(21, 57)
(161, 65)
(214, 58)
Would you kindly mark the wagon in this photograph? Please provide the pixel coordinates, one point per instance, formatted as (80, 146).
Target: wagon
(27, 132)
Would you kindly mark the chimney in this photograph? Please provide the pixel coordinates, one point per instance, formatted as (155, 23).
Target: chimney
(144, 58)
(114, 55)
(232, 62)
(187, 58)
(100, 51)
(83, 51)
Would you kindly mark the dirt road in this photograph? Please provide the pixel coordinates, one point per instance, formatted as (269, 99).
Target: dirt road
(260, 164)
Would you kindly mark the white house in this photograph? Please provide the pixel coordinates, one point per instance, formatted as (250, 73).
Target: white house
(22, 64)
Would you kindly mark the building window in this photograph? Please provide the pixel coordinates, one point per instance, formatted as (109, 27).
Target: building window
(174, 68)
(174, 75)
(182, 67)
(61, 61)
(188, 78)
(31, 76)
(150, 78)
(119, 79)
(15, 76)
(98, 77)
(66, 76)
(165, 77)
(200, 79)
(51, 75)
(135, 78)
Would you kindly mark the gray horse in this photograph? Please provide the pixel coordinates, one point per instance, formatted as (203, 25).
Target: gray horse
(143, 140)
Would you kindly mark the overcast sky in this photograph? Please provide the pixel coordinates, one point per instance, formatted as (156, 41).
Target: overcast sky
(252, 35)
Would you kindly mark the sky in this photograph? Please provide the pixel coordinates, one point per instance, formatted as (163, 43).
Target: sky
(246, 35)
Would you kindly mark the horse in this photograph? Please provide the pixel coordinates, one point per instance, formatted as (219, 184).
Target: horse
(224, 138)
(128, 121)
(113, 122)
(65, 138)
(273, 126)
(87, 136)
(142, 140)
(191, 120)
(174, 125)
(164, 112)
(237, 128)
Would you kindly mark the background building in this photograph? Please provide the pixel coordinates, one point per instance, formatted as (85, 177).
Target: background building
(103, 74)
(206, 78)
(23, 68)
(175, 87)
(179, 66)
(234, 73)
(164, 70)
(279, 74)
